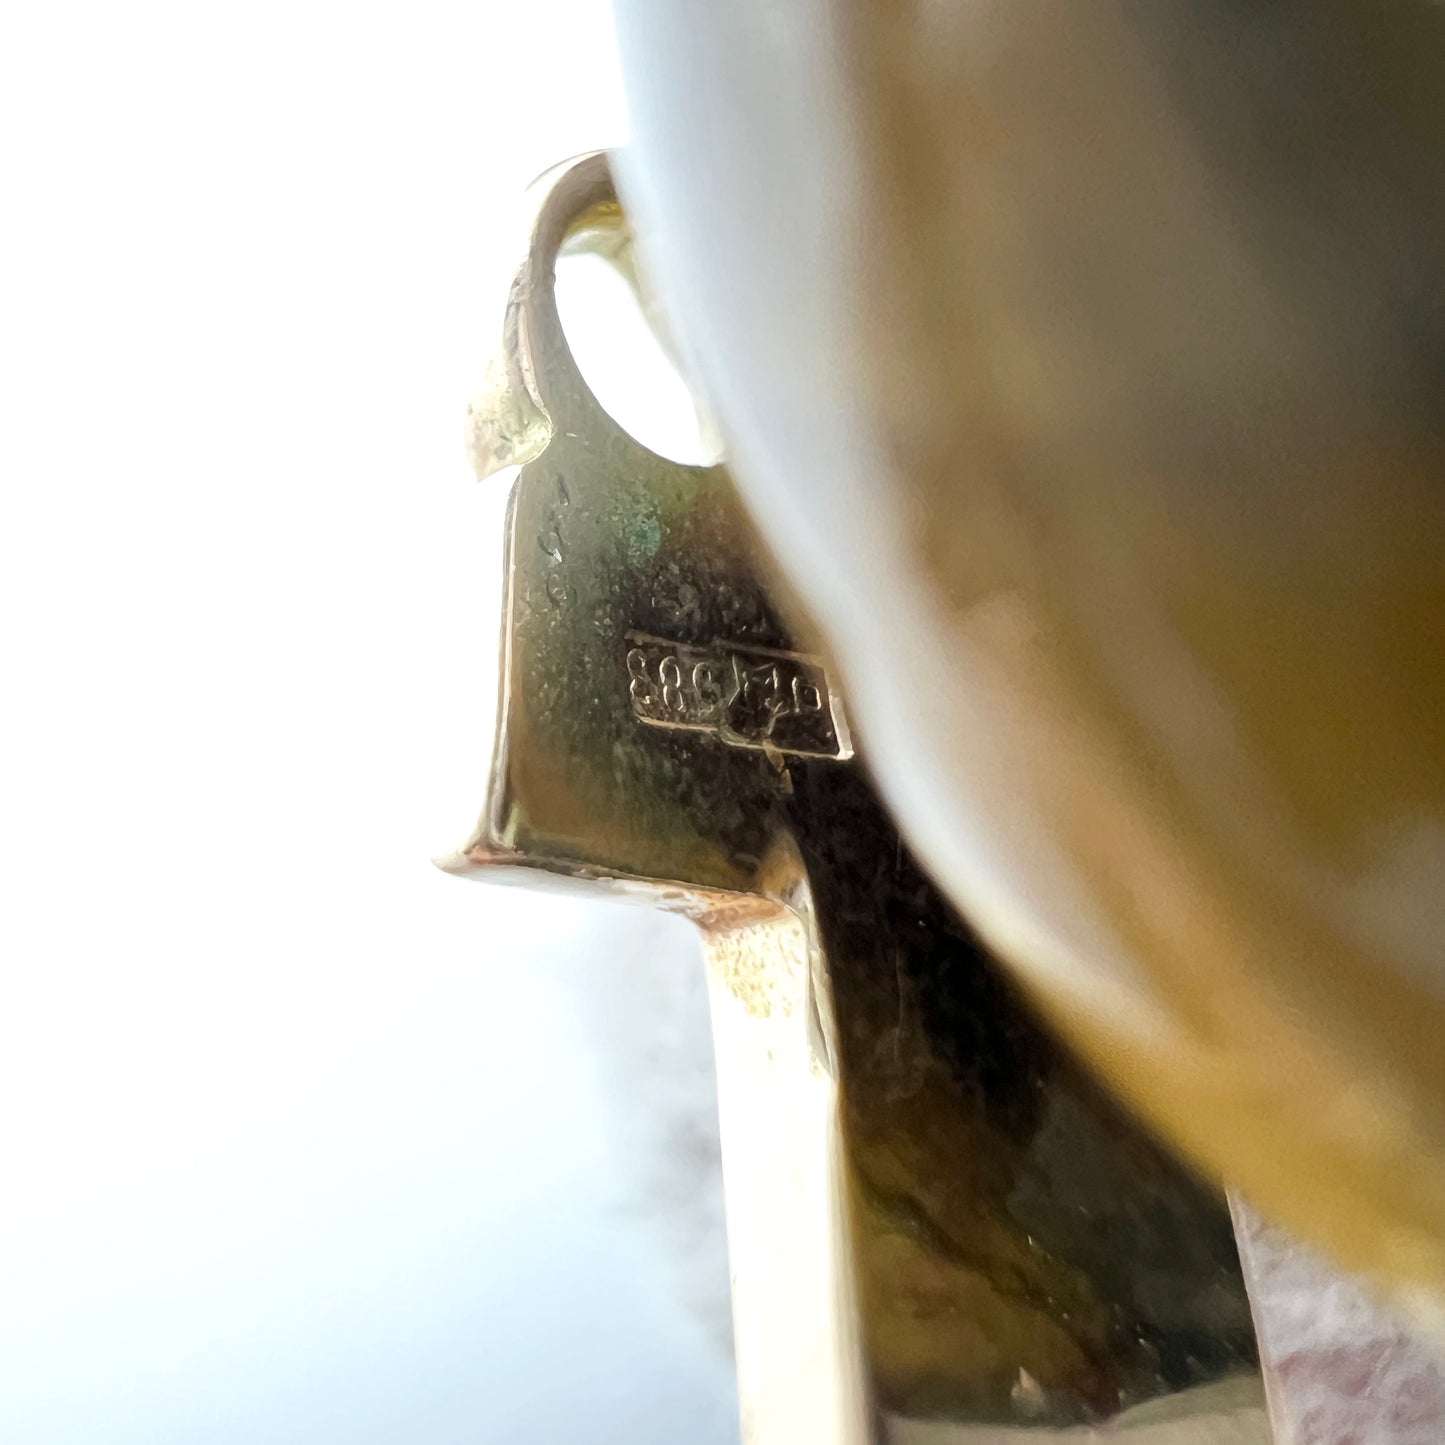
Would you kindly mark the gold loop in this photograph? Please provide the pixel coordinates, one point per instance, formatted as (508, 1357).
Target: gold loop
(579, 210)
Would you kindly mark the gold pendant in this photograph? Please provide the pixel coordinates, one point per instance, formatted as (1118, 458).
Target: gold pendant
(937, 1221)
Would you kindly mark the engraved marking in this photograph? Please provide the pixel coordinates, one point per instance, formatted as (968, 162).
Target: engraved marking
(806, 696)
(641, 688)
(707, 684)
(747, 697)
(549, 539)
(669, 671)
(678, 686)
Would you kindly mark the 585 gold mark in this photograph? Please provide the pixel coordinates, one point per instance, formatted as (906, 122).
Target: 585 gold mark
(749, 697)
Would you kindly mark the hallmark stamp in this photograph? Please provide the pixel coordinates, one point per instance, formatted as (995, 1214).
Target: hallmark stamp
(748, 697)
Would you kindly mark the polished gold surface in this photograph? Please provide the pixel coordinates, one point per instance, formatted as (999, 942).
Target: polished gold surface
(934, 1213)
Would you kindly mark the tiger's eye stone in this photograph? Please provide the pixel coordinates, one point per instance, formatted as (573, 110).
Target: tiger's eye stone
(1084, 369)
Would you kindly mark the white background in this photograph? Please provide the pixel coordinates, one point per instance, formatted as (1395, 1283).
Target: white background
(301, 1140)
